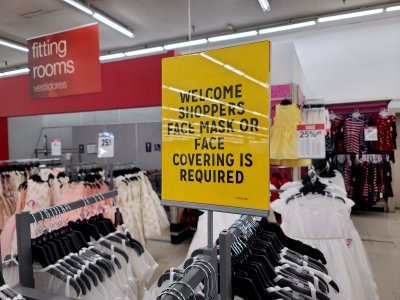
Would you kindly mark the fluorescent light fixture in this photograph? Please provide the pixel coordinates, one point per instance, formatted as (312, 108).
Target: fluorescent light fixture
(185, 44)
(393, 8)
(79, 6)
(144, 51)
(16, 72)
(111, 56)
(286, 27)
(113, 24)
(14, 46)
(351, 15)
(264, 5)
(232, 36)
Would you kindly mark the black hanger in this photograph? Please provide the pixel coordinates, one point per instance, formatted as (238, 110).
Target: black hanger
(290, 243)
(92, 266)
(60, 275)
(167, 276)
(286, 102)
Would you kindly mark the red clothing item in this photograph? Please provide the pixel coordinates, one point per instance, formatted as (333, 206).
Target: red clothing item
(277, 183)
(386, 133)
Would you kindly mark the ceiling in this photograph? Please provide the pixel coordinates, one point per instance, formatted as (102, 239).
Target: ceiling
(153, 21)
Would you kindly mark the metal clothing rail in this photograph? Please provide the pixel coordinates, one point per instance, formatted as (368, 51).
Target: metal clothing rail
(226, 239)
(30, 160)
(25, 219)
(195, 276)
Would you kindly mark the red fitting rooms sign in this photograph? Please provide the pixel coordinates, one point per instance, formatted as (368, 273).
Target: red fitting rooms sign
(65, 63)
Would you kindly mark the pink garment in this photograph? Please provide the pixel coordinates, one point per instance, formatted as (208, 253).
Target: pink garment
(8, 233)
(71, 192)
(103, 206)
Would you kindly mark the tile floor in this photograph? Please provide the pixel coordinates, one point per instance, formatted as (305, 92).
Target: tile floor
(380, 233)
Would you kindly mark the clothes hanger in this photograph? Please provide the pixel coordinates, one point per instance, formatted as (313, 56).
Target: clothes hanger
(170, 275)
(356, 114)
(384, 113)
(263, 252)
(290, 243)
(286, 101)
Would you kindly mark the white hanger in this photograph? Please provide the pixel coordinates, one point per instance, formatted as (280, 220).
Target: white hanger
(356, 114)
(384, 113)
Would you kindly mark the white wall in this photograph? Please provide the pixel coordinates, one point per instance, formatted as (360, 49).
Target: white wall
(359, 61)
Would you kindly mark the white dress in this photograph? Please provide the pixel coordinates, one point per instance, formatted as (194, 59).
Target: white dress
(324, 223)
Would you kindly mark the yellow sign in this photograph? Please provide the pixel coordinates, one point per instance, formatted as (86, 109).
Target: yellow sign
(215, 119)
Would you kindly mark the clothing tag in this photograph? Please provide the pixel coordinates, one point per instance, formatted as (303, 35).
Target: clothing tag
(313, 291)
(31, 203)
(349, 240)
(381, 195)
(67, 293)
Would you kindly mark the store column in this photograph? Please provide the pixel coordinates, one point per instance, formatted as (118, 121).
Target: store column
(4, 138)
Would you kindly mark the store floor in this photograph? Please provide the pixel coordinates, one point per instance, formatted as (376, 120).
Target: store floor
(379, 231)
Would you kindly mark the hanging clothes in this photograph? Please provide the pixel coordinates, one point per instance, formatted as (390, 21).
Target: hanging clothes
(368, 179)
(283, 137)
(139, 204)
(107, 266)
(387, 134)
(354, 134)
(337, 133)
(324, 222)
(48, 187)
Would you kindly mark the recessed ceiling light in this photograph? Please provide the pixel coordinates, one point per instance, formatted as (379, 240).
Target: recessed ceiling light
(286, 27)
(111, 56)
(185, 44)
(101, 17)
(144, 51)
(16, 72)
(232, 36)
(351, 15)
(264, 5)
(79, 6)
(393, 8)
(13, 45)
(113, 25)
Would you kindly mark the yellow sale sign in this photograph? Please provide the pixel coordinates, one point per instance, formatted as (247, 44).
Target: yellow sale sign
(215, 127)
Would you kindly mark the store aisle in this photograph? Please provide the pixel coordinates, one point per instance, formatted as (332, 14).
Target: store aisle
(166, 255)
(380, 233)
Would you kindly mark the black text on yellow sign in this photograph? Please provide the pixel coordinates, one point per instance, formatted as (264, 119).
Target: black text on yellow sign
(215, 127)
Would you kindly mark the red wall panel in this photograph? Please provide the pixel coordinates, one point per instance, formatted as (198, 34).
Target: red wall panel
(3, 139)
(126, 84)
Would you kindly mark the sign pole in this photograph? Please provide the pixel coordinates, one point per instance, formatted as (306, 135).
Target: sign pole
(210, 224)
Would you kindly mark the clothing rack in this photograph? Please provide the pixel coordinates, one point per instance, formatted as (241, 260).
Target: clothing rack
(195, 276)
(123, 164)
(25, 219)
(226, 239)
(29, 160)
(117, 166)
